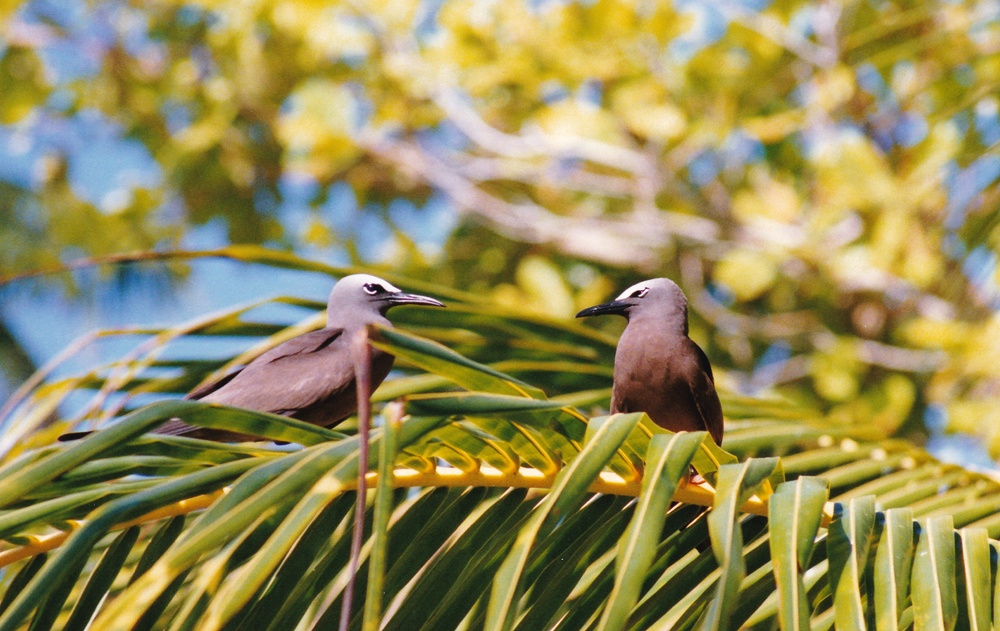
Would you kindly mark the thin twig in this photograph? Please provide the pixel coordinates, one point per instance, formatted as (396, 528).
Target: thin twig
(393, 418)
(363, 387)
(773, 29)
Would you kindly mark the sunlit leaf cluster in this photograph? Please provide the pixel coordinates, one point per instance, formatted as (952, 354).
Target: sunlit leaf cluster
(820, 177)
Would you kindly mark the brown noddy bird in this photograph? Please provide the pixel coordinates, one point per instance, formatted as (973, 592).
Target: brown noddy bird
(659, 370)
(309, 377)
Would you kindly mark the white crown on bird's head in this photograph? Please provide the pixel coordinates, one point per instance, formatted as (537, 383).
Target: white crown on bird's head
(360, 299)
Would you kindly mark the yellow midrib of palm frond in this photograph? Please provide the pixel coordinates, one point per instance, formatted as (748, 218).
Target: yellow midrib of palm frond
(607, 482)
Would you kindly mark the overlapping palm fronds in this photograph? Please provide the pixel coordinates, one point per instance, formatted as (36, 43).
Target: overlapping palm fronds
(498, 500)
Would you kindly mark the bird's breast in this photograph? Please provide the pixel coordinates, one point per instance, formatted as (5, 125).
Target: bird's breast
(648, 355)
(653, 375)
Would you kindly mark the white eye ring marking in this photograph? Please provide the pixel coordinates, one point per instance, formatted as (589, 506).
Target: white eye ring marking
(639, 293)
(372, 288)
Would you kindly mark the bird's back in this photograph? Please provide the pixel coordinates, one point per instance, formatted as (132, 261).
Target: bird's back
(310, 378)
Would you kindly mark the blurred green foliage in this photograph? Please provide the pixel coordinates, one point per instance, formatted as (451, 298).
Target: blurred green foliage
(821, 178)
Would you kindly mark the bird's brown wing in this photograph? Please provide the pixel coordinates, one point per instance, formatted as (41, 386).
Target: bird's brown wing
(212, 386)
(176, 427)
(290, 377)
(706, 399)
(617, 406)
(302, 344)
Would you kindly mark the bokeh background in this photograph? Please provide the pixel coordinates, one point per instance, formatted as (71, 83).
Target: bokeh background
(820, 177)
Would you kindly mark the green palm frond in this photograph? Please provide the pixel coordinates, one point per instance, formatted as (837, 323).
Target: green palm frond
(499, 498)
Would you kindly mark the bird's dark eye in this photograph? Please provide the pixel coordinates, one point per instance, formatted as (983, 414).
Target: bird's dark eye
(373, 288)
(639, 293)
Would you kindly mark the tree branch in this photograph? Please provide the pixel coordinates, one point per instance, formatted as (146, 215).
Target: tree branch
(626, 240)
(766, 26)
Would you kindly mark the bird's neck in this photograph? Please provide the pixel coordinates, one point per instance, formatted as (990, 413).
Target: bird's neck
(673, 323)
(355, 323)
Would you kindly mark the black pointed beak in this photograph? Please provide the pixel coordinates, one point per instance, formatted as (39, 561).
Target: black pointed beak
(618, 307)
(395, 300)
